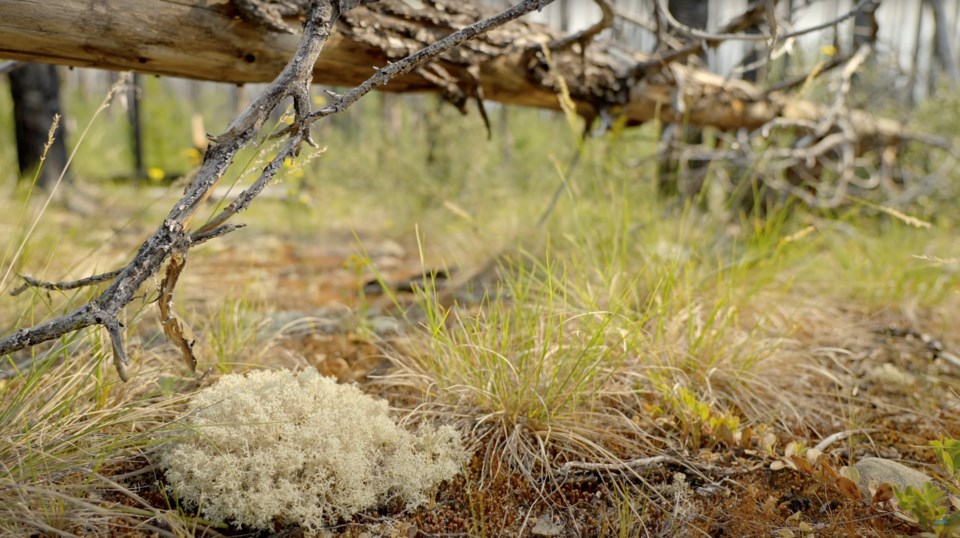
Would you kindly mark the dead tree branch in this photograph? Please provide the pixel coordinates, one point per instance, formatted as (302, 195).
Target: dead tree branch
(587, 35)
(754, 13)
(30, 282)
(724, 36)
(173, 238)
(196, 238)
(408, 64)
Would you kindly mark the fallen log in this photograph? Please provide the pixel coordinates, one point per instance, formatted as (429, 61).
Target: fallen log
(210, 40)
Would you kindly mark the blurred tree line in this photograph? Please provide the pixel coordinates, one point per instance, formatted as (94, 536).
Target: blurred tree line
(915, 42)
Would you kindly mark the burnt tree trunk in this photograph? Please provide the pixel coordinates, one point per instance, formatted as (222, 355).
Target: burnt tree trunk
(136, 127)
(942, 51)
(673, 176)
(36, 100)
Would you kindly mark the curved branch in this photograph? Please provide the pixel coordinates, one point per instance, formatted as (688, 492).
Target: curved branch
(404, 66)
(587, 35)
(30, 282)
(754, 12)
(172, 235)
(700, 34)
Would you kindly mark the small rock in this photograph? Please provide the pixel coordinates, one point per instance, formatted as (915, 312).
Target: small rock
(386, 248)
(386, 326)
(546, 527)
(889, 375)
(326, 320)
(879, 471)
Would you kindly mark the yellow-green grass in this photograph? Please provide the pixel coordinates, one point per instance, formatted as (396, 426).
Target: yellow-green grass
(625, 327)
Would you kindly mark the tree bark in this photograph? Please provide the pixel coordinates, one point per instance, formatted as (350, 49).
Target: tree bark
(36, 101)
(206, 39)
(670, 173)
(942, 50)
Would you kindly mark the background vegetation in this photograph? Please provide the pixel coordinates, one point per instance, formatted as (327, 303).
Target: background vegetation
(626, 327)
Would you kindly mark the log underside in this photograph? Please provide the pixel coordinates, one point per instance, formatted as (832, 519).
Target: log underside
(208, 40)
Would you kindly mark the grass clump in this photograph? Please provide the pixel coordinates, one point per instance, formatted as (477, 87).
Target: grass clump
(277, 447)
(66, 426)
(537, 380)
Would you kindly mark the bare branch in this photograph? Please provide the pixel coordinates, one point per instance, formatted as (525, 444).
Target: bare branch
(196, 238)
(422, 56)
(840, 436)
(635, 465)
(243, 200)
(818, 70)
(585, 36)
(30, 282)
(700, 34)
(172, 235)
(172, 238)
(754, 13)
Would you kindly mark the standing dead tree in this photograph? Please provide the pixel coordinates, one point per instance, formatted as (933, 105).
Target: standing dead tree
(174, 237)
(35, 89)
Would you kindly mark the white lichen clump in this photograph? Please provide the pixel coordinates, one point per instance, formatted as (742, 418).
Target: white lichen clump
(274, 447)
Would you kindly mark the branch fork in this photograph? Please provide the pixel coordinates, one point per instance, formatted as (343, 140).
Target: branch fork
(171, 241)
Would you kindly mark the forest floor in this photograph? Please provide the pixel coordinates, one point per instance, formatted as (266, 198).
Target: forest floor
(631, 367)
(742, 432)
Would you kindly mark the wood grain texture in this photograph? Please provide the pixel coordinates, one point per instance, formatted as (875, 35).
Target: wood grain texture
(208, 40)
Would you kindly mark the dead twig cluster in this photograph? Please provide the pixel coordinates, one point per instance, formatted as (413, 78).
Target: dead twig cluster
(822, 158)
(173, 239)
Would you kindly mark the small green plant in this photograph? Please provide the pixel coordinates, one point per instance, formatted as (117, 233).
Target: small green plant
(935, 507)
(699, 422)
(948, 452)
(929, 507)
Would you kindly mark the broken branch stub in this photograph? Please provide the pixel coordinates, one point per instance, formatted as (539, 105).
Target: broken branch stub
(172, 327)
(172, 239)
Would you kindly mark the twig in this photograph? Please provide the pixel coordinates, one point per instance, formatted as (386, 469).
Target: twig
(584, 36)
(754, 12)
(196, 238)
(30, 282)
(806, 78)
(298, 130)
(840, 436)
(635, 20)
(472, 74)
(936, 347)
(700, 34)
(635, 465)
(172, 235)
(404, 66)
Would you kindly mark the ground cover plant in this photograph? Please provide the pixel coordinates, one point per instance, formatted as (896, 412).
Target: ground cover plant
(634, 366)
(637, 367)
